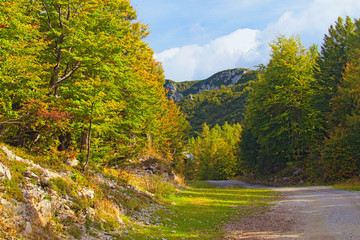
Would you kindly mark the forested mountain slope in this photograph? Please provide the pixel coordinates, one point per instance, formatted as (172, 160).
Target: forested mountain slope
(215, 100)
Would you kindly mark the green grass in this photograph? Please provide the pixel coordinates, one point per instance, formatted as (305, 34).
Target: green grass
(351, 185)
(201, 211)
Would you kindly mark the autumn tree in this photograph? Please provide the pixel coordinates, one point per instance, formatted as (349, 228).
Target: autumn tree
(20, 71)
(99, 91)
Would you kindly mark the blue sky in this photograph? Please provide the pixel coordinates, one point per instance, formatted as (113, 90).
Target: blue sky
(197, 38)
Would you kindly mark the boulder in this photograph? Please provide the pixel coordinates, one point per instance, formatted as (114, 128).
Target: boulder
(44, 212)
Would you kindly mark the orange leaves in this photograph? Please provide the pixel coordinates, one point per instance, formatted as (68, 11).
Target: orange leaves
(53, 115)
(2, 25)
(40, 111)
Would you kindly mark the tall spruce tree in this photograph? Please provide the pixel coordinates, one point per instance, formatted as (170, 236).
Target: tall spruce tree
(332, 62)
(280, 114)
(341, 155)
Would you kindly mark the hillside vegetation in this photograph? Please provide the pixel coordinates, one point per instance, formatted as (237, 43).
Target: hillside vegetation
(44, 198)
(94, 147)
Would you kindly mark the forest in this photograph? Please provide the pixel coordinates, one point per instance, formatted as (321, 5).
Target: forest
(78, 82)
(301, 113)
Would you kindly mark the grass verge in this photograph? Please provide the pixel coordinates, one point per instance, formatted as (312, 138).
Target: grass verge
(201, 211)
(351, 185)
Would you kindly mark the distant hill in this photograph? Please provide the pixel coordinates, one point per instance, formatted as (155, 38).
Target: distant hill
(179, 90)
(214, 100)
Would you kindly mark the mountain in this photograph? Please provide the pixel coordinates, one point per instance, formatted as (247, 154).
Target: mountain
(179, 90)
(218, 99)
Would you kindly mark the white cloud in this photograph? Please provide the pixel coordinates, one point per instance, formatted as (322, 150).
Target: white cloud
(191, 62)
(249, 47)
(312, 21)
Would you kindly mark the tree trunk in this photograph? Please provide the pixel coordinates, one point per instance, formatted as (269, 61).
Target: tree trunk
(84, 141)
(89, 139)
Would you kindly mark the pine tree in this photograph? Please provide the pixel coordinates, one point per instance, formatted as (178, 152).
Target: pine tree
(332, 62)
(341, 155)
(280, 115)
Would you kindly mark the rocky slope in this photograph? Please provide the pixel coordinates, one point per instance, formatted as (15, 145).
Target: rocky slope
(60, 202)
(180, 90)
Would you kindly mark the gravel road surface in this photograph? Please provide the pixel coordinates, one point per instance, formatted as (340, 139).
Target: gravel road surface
(302, 213)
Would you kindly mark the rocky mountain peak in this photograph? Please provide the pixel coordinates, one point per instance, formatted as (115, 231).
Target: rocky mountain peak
(179, 90)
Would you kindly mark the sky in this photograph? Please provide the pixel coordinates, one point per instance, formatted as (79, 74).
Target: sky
(193, 39)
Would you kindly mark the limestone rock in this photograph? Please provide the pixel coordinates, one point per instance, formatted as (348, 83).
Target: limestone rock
(72, 162)
(178, 91)
(44, 212)
(32, 175)
(47, 173)
(86, 193)
(298, 171)
(173, 91)
(28, 228)
(4, 172)
(8, 153)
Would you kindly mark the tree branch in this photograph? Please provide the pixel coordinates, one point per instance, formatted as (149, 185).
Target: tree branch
(60, 20)
(47, 13)
(68, 74)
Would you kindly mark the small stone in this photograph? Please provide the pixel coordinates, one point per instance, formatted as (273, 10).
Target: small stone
(28, 228)
(32, 175)
(72, 162)
(121, 222)
(87, 193)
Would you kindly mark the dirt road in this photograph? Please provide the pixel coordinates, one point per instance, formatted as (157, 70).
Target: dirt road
(303, 213)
